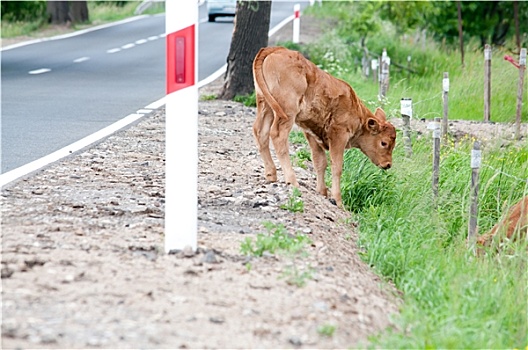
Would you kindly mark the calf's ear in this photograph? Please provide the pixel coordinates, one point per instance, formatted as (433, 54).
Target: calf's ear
(373, 125)
(380, 113)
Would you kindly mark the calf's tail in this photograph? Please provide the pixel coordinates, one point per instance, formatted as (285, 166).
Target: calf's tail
(260, 81)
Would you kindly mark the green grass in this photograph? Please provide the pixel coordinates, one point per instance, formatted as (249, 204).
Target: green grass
(327, 330)
(208, 97)
(247, 100)
(99, 13)
(340, 54)
(294, 204)
(275, 240)
(451, 298)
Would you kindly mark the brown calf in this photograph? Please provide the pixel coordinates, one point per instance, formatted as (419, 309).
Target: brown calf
(291, 89)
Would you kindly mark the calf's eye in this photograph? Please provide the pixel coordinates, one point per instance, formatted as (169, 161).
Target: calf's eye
(383, 144)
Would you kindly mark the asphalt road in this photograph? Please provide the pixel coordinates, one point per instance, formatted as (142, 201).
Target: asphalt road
(59, 91)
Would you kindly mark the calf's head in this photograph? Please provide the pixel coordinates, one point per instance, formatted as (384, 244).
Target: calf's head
(378, 139)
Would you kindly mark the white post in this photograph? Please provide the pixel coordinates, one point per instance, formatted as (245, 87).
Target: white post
(181, 150)
(296, 22)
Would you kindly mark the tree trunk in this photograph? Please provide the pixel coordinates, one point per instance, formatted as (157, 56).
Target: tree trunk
(79, 11)
(516, 22)
(249, 36)
(460, 32)
(58, 12)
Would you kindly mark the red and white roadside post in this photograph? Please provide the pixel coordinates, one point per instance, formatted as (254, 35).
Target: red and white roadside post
(296, 22)
(181, 137)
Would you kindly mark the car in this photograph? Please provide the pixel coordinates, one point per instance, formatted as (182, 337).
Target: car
(220, 8)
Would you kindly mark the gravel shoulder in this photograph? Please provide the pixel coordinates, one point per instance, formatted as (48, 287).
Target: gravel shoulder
(83, 262)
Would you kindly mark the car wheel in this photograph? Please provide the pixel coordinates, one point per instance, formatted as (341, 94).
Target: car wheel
(212, 18)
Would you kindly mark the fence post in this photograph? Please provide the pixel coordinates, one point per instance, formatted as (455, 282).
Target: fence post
(436, 156)
(374, 65)
(522, 68)
(385, 62)
(296, 22)
(445, 87)
(406, 113)
(487, 82)
(474, 189)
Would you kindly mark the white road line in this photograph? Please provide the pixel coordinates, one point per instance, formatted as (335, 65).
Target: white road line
(14, 174)
(157, 104)
(280, 25)
(78, 32)
(113, 50)
(154, 37)
(39, 71)
(212, 77)
(91, 139)
(143, 111)
(81, 59)
(141, 41)
(162, 35)
(128, 46)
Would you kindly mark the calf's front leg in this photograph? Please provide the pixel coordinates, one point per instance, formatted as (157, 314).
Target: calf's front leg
(320, 163)
(337, 150)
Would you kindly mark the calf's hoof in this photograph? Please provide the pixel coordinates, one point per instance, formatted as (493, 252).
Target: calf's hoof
(271, 177)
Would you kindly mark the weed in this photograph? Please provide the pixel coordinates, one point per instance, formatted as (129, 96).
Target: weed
(297, 138)
(295, 277)
(247, 100)
(300, 157)
(327, 330)
(295, 204)
(208, 97)
(277, 240)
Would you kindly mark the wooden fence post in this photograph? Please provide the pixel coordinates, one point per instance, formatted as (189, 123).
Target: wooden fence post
(436, 156)
(445, 88)
(474, 189)
(374, 65)
(379, 78)
(406, 113)
(385, 62)
(522, 68)
(487, 82)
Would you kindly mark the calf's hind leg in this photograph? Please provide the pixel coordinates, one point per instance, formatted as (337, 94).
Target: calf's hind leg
(280, 130)
(261, 131)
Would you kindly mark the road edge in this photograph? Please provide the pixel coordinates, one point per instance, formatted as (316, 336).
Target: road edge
(92, 139)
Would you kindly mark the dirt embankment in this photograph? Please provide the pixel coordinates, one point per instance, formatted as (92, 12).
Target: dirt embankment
(83, 263)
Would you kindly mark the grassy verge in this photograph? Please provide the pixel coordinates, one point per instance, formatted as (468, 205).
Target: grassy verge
(99, 13)
(452, 299)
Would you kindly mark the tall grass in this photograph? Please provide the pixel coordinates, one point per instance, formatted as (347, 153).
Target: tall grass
(425, 86)
(452, 299)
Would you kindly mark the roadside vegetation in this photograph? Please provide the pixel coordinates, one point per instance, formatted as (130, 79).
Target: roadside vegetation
(452, 298)
(340, 53)
(27, 18)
